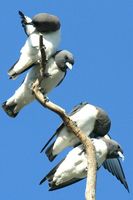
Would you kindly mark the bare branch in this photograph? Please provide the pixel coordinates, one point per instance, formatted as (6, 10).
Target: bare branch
(90, 150)
(43, 60)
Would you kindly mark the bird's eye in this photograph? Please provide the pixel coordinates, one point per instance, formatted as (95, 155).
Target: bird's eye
(66, 57)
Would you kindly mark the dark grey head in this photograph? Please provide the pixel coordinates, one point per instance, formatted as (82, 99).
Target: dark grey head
(114, 149)
(102, 123)
(45, 22)
(64, 59)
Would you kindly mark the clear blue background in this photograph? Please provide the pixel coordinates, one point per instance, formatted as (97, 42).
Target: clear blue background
(100, 35)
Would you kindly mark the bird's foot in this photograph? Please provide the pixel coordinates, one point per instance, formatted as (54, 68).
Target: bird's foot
(46, 99)
(46, 75)
(75, 123)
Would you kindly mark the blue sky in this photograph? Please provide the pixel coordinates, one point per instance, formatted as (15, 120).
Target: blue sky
(100, 35)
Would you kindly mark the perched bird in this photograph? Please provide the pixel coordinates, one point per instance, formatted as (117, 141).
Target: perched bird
(55, 72)
(74, 166)
(92, 120)
(42, 23)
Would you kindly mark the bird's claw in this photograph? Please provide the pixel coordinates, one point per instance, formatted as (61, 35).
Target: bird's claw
(46, 75)
(75, 123)
(46, 99)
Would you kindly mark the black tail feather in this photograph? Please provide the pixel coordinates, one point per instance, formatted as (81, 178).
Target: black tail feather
(21, 14)
(49, 152)
(48, 142)
(43, 180)
(9, 109)
(50, 175)
(53, 186)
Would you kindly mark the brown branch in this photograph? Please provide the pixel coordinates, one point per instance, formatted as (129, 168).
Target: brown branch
(43, 60)
(90, 150)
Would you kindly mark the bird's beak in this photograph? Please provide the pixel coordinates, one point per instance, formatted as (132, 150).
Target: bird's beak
(121, 155)
(69, 65)
(29, 23)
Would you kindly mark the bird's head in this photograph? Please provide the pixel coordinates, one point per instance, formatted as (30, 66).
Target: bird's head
(45, 23)
(114, 149)
(64, 59)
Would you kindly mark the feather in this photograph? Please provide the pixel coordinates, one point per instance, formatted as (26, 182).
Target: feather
(10, 109)
(115, 168)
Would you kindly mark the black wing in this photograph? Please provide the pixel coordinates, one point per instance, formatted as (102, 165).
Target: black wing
(115, 168)
(26, 23)
(51, 173)
(56, 133)
(61, 80)
(77, 108)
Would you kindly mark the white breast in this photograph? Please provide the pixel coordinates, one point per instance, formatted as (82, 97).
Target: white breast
(56, 75)
(50, 40)
(101, 151)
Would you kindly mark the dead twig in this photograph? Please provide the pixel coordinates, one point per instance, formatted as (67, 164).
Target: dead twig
(43, 60)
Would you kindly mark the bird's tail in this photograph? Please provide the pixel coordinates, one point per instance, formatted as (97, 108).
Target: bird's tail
(12, 73)
(52, 183)
(50, 175)
(44, 147)
(49, 152)
(22, 65)
(10, 109)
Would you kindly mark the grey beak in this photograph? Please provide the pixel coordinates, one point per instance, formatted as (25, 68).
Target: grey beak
(121, 155)
(69, 65)
(29, 23)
